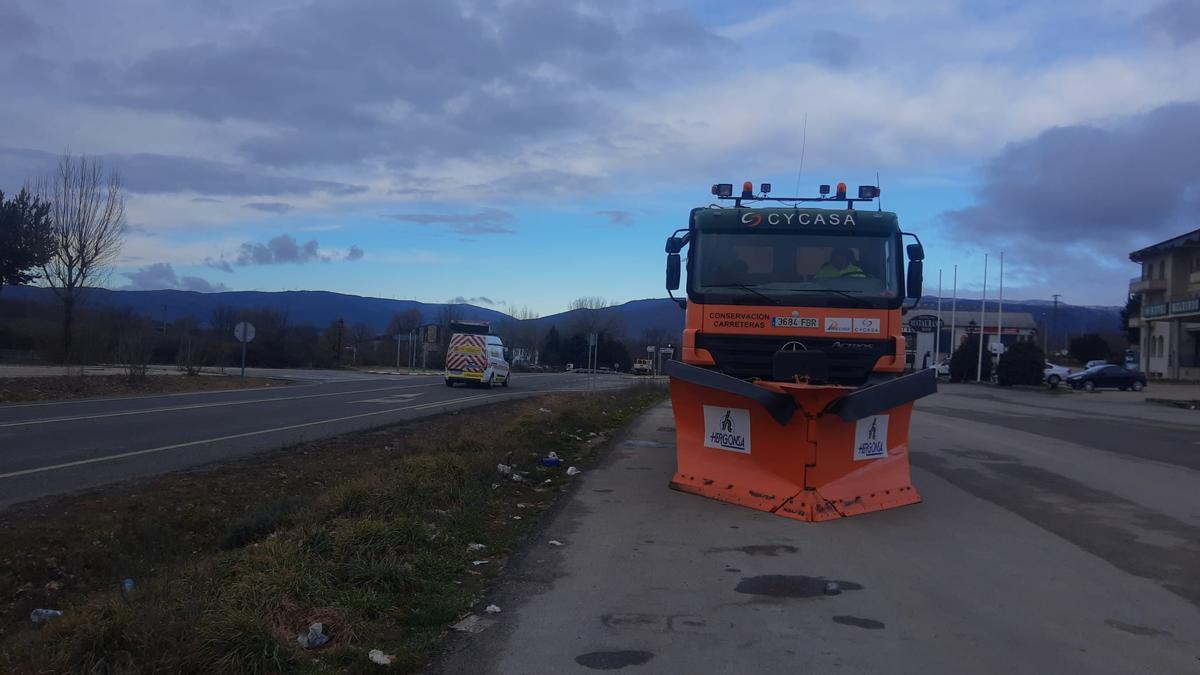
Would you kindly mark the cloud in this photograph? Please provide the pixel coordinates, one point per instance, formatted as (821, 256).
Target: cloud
(477, 300)
(1104, 186)
(218, 264)
(162, 275)
(17, 26)
(616, 217)
(1179, 19)
(269, 207)
(484, 221)
(201, 285)
(1082, 197)
(279, 250)
(283, 249)
(832, 48)
(164, 174)
(340, 82)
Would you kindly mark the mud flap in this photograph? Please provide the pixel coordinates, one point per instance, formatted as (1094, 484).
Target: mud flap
(805, 452)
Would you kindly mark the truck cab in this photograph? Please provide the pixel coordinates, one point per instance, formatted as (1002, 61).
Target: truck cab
(824, 287)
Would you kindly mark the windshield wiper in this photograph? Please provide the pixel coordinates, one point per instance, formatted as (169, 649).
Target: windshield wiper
(844, 294)
(745, 287)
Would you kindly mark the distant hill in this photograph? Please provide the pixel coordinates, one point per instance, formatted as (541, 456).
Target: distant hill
(305, 308)
(318, 308)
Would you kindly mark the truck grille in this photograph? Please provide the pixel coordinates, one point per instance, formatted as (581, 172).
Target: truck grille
(850, 361)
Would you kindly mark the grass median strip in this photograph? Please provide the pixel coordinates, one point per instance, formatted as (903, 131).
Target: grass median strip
(367, 534)
(67, 387)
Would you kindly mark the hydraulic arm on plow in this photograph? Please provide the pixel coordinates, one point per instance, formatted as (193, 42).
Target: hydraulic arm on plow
(790, 395)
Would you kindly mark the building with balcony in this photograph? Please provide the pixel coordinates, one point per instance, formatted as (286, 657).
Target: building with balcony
(1169, 287)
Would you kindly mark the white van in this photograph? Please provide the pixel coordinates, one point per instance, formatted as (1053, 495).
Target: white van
(476, 359)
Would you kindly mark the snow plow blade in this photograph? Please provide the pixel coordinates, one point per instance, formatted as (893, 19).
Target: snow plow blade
(810, 452)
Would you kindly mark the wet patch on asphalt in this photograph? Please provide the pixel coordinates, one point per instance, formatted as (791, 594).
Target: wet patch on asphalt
(1129, 536)
(614, 660)
(859, 622)
(791, 586)
(772, 550)
(1135, 629)
(603, 490)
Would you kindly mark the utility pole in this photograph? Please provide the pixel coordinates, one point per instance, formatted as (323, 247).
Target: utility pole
(982, 323)
(1054, 316)
(338, 359)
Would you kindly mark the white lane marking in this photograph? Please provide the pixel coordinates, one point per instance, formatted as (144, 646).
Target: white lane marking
(394, 398)
(188, 444)
(193, 406)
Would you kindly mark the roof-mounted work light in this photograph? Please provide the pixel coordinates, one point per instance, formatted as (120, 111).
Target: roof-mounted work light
(824, 190)
(867, 192)
(765, 188)
(723, 189)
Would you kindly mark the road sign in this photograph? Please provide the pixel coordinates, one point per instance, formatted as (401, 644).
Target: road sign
(244, 331)
(650, 349)
(667, 351)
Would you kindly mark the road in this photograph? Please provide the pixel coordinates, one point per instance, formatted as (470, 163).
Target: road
(1059, 533)
(49, 448)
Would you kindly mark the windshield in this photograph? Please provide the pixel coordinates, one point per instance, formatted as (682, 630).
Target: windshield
(813, 269)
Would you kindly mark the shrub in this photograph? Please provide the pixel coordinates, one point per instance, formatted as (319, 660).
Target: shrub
(965, 359)
(1022, 363)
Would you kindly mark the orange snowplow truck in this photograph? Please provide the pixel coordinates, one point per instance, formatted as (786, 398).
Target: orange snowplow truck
(790, 394)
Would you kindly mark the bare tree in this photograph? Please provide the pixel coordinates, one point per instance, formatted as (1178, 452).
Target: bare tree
(593, 314)
(87, 210)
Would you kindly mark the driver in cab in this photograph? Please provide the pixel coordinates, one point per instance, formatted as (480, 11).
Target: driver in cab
(841, 265)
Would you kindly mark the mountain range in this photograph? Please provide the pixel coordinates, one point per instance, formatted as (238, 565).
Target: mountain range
(635, 318)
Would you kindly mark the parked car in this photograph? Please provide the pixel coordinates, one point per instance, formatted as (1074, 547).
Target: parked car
(943, 368)
(1055, 374)
(1107, 376)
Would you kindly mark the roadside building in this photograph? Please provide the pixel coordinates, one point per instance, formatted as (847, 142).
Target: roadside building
(1169, 287)
(921, 328)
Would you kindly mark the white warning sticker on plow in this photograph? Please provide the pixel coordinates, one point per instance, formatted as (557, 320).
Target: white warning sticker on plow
(870, 437)
(727, 428)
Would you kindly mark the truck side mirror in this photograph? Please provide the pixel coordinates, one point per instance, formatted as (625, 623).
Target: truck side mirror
(915, 276)
(673, 272)
(916, 252)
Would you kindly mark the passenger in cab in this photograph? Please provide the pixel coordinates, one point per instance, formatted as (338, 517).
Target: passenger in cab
(841, 265)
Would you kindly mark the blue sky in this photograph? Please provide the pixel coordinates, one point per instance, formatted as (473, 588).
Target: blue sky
(524, 153)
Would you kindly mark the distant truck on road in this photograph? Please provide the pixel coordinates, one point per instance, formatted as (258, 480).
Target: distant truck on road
(642, 367)
(474, 356)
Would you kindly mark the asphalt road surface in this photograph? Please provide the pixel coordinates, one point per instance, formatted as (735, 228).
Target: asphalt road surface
(1059, 533)
(49, 448)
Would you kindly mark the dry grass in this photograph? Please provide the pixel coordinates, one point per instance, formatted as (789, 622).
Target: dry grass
(63, 387)
(366, 533)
